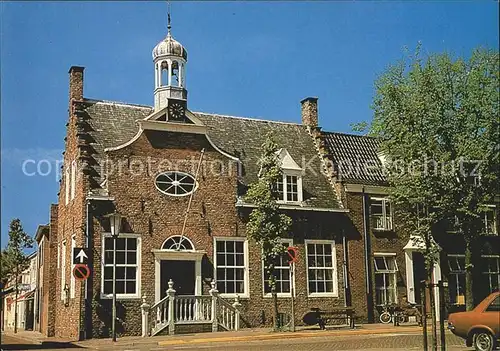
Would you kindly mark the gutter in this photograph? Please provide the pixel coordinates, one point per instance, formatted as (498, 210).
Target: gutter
(367, 250)
(299, 208)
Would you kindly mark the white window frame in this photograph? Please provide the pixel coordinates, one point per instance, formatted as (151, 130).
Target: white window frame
(291, 173)
(72, 282)
(73, 179)
(494, 226)
(66, 185)
(137, 294)
(291, 276)
(394, 272)
(386, 225)
(335, 292)
(246, 288)
(63, 267)
(455, 274)
(491, 273)
(58, 255)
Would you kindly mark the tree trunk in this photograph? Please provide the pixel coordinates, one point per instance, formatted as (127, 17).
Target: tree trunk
(469, 276)
(275, 310)
(15, 301)
(432, 305)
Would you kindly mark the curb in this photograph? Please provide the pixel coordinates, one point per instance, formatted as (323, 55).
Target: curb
(263, 337)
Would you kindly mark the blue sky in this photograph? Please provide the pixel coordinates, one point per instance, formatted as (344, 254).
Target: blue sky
(254, 59)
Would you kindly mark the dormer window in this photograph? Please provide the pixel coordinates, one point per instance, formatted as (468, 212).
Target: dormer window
(381, 213)
(290, 184)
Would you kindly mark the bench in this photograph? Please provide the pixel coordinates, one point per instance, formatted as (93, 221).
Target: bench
(322, 317)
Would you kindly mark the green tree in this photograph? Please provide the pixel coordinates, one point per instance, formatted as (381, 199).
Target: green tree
(438, 122)
(267, 225)
(16, 258)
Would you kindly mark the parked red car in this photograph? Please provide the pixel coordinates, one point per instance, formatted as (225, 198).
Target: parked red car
(481, 326)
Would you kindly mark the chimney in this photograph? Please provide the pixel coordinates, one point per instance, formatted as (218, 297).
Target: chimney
(310, 112)
(76, 83)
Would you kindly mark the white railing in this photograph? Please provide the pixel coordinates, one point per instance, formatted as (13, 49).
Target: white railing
(227, 315)
(190, 309)
(161, 316)
(193, 309)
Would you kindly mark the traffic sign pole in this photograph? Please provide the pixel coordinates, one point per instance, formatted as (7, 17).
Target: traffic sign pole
(292, 293)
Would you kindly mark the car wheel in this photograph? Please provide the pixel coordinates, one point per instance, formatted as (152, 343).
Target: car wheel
(483, 341)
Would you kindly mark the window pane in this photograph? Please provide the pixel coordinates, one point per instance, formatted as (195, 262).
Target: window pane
(130, 272)
(120, 257)
(108, 272)
(131, 258)
(240, 260)
(120, 287)
(120, 272)
(108, 257)
(131, 244)
(130, 285)
(221, 259)
(108, 244)
(120, 244)
(108, 287)
(239, 246)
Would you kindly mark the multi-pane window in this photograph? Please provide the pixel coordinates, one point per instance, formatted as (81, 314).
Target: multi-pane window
(321, 270)
(381, 214)
(73, 179)
(456, 279)
(289, 189)
(72, 277)
(490, 270)
(490, 221)
(230, 266)
(282, 272)
(127, 266)
(175, 183)
(66, 185)
(63, 268)
(386, 270)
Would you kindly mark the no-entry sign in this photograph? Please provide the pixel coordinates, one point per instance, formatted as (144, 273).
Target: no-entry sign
(81, 272)
(292, 254)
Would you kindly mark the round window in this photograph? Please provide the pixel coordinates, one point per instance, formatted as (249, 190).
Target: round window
(176, 183)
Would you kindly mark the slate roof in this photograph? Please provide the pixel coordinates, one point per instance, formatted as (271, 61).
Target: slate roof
(112, 124)
(356, 158)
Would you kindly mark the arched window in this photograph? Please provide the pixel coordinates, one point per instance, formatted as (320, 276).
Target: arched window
(164, 73)
(175, 74)
(175, 183)
(177, 242)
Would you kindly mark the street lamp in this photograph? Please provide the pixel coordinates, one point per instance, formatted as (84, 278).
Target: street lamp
(115, 221)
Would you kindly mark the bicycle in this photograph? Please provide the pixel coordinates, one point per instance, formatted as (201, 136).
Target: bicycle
(390, 314)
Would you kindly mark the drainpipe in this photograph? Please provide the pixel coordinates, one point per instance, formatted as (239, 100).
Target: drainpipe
(87, 332)
(347, 285)
(369, 292)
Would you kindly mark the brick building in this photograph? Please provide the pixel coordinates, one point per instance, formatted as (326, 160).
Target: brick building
(386, 265)
(178, 179)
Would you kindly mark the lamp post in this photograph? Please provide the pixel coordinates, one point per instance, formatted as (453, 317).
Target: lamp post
(115, 221)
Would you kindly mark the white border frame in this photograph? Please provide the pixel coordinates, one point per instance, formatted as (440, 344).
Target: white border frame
(246, 275)
(177, 195)
(335, 292)
(292, 278)
(137, 295)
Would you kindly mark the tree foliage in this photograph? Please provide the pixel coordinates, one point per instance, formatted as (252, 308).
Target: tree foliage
(437, 118)
(15, 258)
(267, 225)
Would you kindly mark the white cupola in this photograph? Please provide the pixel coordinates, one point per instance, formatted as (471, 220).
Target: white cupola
(170, 58)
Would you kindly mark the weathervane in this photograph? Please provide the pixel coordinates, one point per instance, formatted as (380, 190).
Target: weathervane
(169, 26)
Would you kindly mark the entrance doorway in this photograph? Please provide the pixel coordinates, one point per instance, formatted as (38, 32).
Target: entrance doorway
(182, 274)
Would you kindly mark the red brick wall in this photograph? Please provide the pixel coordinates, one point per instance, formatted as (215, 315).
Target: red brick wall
(71, 218)
(385, 242)
(156, 217)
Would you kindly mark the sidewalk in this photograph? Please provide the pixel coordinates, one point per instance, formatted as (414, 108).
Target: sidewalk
(249, 334)
(233, 336)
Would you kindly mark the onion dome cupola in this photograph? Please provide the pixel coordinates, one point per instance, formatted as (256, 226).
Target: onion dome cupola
(170, 58)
